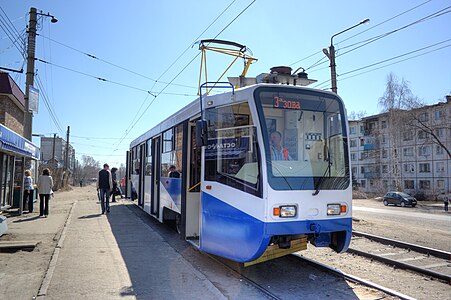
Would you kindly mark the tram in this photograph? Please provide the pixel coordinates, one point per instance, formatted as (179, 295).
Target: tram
(250, 174)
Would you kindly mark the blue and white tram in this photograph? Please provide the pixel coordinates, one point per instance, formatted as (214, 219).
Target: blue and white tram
(272, 173)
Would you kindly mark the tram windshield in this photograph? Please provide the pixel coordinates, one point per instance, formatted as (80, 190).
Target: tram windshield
(304, 133)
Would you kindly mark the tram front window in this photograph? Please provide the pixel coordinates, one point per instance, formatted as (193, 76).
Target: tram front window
(305, 144)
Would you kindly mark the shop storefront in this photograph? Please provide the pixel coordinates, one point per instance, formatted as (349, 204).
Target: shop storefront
(17, 154)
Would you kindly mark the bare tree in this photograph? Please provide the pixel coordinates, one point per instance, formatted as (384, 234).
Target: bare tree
(396, 101)
(89, 168)
(353, 115)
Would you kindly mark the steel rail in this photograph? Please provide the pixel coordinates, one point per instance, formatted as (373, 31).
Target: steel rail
(425, 250)
(402, 265)
(354, 278)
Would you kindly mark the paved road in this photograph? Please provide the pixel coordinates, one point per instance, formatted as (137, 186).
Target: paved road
(404, 212)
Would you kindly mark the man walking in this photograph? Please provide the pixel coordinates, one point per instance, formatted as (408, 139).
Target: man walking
(105, 187)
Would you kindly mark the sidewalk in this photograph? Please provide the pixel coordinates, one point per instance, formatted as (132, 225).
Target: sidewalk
(83, 254)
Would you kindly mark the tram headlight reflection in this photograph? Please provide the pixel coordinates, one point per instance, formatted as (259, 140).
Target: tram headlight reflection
(287, 211)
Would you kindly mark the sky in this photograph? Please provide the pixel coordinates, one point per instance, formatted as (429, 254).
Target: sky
(142, 48)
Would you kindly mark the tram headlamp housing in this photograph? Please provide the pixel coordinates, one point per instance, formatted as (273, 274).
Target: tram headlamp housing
(336, 209)
(285, 211)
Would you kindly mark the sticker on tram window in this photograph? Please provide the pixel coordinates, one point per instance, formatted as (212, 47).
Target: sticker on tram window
(279, 102)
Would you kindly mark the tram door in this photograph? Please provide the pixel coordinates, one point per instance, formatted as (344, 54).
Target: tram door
(192, 211)
(156, 164)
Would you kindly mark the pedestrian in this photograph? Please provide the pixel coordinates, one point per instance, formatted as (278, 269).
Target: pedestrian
(45, 185)
(446, 202)
(28, 191)
(173, 173)
(114, 178)
(105, 187)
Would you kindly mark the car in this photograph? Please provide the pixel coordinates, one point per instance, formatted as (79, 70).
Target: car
(399, 198)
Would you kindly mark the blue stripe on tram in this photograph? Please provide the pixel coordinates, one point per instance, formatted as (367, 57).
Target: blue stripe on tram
(233, 234)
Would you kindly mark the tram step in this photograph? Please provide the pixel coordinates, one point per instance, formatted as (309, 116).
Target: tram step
(273, 251)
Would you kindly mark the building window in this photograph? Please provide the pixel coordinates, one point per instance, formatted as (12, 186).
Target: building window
(441, 184)
(438, 114)
(424, 117)
(407, 135)
(409, 184)
(384, 153)
(425, 184)
(440, 166)
(363, 183)
(362, 129)
(409, 168)
(354, 170)
(353, 143)
(362, 142)
(422, 135)
(425, 168)
(440, 132)
(385, 184)
(407, 151)
(384, 169)
(353, 156)
(424, 150)
(352, 130)
(383, 124)
(384, 139)
(439, 149)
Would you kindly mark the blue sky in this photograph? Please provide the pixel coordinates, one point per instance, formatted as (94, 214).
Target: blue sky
(136, 42)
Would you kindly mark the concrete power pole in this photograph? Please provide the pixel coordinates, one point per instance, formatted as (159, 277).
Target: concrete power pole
(28, 116)
(66, 159)
(31, 50)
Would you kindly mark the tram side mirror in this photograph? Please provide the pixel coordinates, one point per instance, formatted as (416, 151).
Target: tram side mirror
(201, 133)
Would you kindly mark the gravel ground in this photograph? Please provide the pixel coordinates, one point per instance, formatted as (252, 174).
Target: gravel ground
(406, 282)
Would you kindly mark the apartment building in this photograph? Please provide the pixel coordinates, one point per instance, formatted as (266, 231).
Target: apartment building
(403, 150)
(53, 150)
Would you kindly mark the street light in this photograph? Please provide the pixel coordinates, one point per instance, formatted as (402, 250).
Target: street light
(28, 116)
(331, 55)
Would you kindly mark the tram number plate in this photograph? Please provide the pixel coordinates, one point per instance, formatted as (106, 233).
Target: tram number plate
(279, 102)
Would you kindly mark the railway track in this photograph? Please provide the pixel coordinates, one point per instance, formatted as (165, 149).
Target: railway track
(431, 262)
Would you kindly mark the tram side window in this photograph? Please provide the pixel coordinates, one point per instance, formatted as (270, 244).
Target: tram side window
(148, 169)
(136, 154)
(171, 158)
(231, 155)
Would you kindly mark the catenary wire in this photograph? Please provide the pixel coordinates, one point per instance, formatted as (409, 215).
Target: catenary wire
(107, 80)
(178, 74)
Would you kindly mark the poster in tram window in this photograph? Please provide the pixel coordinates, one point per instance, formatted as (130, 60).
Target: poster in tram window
(227, 148)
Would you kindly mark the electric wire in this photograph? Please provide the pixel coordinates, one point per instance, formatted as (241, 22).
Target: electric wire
(109, 81)
(373, 39)
(12, 36)
(112, 64)
(190, 46)
(178, 74)
(319, 85)
(395, 57)
(376, 37)
(49, 106)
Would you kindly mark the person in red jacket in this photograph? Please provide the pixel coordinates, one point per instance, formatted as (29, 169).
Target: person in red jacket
(278, 152)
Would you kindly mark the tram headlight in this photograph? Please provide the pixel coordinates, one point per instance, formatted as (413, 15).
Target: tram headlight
(285, 211)
(336, 209)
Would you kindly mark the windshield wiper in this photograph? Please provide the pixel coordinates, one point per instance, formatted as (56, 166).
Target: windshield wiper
(318, 183)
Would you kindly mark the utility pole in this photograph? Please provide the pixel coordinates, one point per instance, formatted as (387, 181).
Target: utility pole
(28, 116)
(53, 149)
(66, 159)
(331, 55)
(31, 50)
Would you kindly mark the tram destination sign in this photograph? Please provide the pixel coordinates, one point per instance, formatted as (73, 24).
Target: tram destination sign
(279, 102)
